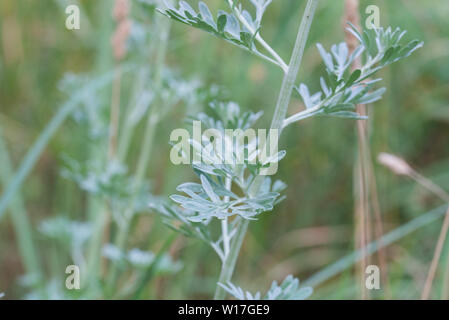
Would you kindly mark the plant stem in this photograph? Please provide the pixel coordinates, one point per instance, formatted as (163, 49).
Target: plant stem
(430, 185)
(227, 269)
(150, 272)
(436, 258)
(295, 62)
(445, 287)
(114, 114)
(144, 157)
(128, 125)
(307, 113)
(277, 122)
(277, 59)
(361, 191)
(98, 213)
(224, 223)
(38, 147)
(19, 217)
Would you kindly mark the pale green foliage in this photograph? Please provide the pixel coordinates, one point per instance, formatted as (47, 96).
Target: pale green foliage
(260, 7)
(341, 90)
(247, 158)
(238, 27)
(207, 199)
(110, 181)
(225, 26)
(76, 98)
(141, 260)
(223, 188)
(66, 232)
(288, 290)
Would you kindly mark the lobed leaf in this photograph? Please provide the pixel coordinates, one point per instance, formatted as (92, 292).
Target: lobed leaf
(342, 90)
(288, 290)
(226, 26)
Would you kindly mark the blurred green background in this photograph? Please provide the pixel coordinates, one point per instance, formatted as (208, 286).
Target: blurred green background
(309, 230)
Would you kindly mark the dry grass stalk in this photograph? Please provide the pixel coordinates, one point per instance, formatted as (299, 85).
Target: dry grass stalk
(118, 41)
(436, 258)
(400, 167)
(364, 178)
(361, 213)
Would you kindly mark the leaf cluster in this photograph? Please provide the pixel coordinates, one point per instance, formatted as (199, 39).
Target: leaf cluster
(343, 89)
(289, 289)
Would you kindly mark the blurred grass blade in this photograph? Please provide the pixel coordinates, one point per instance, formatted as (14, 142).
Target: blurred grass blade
(150, 272)
(391, 237)
(36, 150)
(19, 217)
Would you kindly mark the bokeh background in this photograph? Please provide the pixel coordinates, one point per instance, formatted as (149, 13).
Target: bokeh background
(314, 226)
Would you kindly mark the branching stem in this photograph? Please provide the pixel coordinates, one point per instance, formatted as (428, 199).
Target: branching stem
(259, 38)
(277, 123)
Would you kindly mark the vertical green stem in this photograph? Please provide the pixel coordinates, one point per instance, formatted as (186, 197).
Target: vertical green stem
(19, 217)
(289, 79)
(279, 115)
(227, 269)
(144, 157)
(97, 213)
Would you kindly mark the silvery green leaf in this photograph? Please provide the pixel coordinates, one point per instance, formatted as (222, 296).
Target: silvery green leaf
(222, 21)
(347, 115)
(206, 14)
(208, 189)
(372, 97)
(353, 78)
(327, 58)
(341, 91)
(144, 259)
(260, 6)
(340, 52)
(113, 253)
(383, 45)
(355, 54)
(233, 290)
(327, 92)
(187, 9)
(232, 26)
(250, 20)
(309, 100)
(205, 202)
(67, 232)
(140, 258)
(275, 158)
(288, 290)
(278, 186)
(173, 215)
(226, 26)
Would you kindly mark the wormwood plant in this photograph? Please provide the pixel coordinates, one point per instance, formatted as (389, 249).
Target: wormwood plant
(235, 193)
(116, 192)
